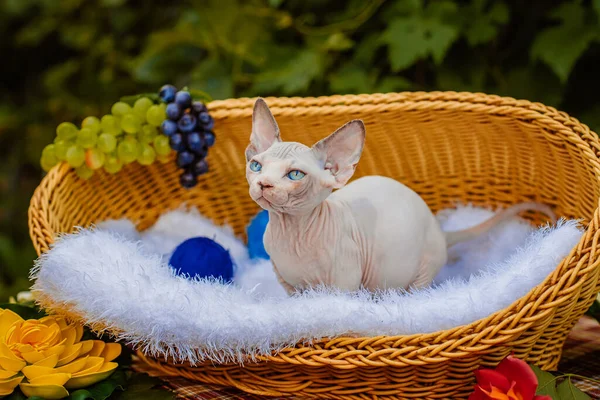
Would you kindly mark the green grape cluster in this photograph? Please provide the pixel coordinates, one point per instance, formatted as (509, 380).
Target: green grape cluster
(125, 135)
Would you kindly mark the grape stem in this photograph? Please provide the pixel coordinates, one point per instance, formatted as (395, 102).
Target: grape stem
(197, 95)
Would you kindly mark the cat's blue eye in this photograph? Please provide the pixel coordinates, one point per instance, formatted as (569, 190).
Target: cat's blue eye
(296, 175)
(255, 166)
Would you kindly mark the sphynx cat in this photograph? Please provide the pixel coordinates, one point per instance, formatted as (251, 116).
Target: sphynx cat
(374, 233)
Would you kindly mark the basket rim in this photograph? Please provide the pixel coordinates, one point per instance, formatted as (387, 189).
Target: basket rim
(495, 329)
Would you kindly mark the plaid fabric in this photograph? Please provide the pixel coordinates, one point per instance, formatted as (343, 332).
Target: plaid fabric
(581, 356)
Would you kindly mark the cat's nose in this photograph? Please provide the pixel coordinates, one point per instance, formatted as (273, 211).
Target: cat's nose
(264, 185)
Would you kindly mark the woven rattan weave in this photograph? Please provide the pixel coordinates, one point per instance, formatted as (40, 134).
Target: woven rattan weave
(449, 147)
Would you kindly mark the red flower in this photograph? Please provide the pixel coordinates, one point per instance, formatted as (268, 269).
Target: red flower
(511, 380)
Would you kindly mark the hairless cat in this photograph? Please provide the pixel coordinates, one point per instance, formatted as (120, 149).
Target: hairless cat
(374, 233)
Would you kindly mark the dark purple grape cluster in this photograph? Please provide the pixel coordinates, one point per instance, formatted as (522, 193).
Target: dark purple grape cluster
(190, 131)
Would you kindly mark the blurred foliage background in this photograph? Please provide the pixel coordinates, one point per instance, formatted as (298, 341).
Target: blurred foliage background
(63, 60)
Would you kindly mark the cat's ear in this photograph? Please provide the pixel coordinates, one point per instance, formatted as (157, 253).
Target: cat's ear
(339, 152)
(265, 131)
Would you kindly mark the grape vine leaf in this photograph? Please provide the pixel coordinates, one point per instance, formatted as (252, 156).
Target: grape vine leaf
(143, 387)
(352, 79)
(212, 76)
(275, 3)
(471, 78)
(568, 391)
(535, 84)
(596, 5)
(393, 84)
(338, 41)
(293, 76)
(481, 26)
(561, 46)
(17, 7)
(77, 36)
(407, 6)
(592, 117)
(546, 382)
(113, 3)
(365, 50)
(37, 30)
(425, 33)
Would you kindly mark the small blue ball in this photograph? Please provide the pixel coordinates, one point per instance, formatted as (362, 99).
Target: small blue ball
(255, 232)
(203, 258)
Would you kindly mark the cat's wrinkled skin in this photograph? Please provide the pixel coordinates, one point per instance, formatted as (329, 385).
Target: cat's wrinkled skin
(374, 233)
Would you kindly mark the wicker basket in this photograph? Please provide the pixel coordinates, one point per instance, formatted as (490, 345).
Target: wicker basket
(449, 147)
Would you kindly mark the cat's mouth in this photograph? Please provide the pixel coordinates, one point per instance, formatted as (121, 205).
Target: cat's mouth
(261, 199)
(264, 203)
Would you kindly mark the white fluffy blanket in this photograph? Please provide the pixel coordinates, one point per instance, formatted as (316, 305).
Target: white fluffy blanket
(118, 277)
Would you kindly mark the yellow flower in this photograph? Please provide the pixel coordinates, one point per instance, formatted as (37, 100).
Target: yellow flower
(46, 357)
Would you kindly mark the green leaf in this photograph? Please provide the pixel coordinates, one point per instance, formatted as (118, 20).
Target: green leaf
(546, 382)
(77, 36)
(338, 42)
(499, 13)
(407, 6)
(17, 7)
(393, 84)
(293, 77)
(56, 77)
(366, 48)
(594, 119)
(212, 76)
(103, 389)
(23, 311)
(167, 51)
(351, 79)
(480, 26)
(448, 79)
(143, 387)
(275, 3)
(412, 39)
(562, 45)
(428, 32)
(596, 5)
(534, 84)
(36, 31)
(112, 3)
(200, 95)
(568, 391)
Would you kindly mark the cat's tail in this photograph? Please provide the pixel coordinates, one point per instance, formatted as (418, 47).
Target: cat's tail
(455, 237)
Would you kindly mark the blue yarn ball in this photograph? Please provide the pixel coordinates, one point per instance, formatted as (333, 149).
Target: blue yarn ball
(203, 258)
(255, 232)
